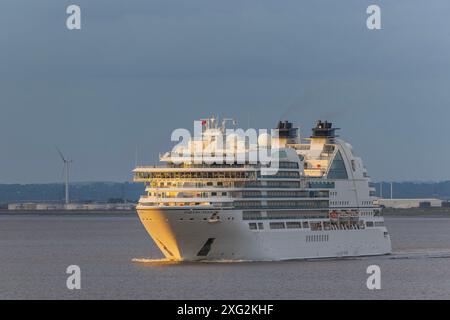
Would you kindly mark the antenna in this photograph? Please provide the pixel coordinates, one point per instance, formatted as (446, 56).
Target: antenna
(66, 170)
(225, 121)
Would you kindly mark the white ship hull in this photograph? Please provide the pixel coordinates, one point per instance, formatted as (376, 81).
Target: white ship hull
(185, 235)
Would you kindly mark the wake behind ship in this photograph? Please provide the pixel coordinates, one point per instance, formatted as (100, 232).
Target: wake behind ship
(317, 204)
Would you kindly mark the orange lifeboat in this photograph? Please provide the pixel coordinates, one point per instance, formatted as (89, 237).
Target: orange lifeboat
(334, 215)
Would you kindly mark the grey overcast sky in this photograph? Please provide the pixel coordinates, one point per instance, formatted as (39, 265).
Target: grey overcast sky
(139, 69)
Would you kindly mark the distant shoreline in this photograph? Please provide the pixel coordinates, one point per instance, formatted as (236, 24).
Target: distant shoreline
(68, 212)
(417, 212)
(388, 212)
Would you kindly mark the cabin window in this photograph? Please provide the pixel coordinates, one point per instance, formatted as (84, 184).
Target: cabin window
(293, 225)
(251, 215)
(277, 225)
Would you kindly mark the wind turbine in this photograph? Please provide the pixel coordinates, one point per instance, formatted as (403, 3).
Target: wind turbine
(66, 171)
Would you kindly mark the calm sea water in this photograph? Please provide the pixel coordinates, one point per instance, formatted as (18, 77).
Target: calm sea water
(36, 250)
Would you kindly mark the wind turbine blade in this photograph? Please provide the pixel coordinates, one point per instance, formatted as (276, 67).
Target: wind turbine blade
(60, 154)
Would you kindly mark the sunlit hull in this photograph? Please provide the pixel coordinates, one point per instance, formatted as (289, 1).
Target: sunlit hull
(186, 235)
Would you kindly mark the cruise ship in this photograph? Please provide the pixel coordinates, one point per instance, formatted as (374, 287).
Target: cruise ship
(311, 199)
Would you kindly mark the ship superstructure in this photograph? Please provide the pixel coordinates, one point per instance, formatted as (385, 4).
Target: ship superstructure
(313, 200)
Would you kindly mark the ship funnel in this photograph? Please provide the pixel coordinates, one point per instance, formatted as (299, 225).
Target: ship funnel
(287, 134)
(324, 129)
